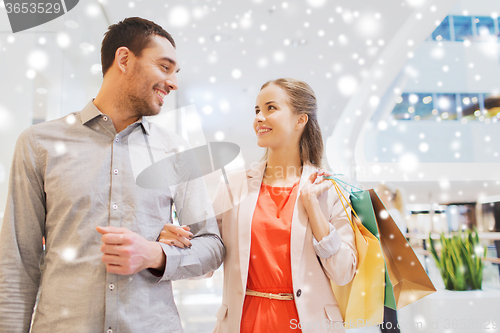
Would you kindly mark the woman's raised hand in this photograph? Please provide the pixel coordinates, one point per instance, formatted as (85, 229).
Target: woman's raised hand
(176, 236)
(312, 189)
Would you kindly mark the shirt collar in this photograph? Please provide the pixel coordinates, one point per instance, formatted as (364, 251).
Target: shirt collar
(90, 111)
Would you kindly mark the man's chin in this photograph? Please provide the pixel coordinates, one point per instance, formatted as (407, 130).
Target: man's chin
(155, 111)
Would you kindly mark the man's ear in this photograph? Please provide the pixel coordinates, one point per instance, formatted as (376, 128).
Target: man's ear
(302, 121)
(122, 58)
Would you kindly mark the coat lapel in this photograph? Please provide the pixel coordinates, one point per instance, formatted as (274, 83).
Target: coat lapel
(300, 222)
(246, 209)
(245, 216)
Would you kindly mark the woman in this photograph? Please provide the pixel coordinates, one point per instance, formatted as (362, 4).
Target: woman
(276, 273)
(393, 201)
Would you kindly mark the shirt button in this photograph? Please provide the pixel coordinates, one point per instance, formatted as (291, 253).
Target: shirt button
(111, 286)
(115, 206)
(109, 331)
(117, 139)
(105, 118)
(115, 171)
(299, 292)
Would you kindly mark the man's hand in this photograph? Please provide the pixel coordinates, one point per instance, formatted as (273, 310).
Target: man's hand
(125, 252)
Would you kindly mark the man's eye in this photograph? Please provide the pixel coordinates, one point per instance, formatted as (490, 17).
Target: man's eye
(257, 111)
(165, 68)
(271, 107)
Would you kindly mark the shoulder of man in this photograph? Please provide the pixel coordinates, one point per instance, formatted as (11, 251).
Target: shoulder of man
(47, 127)
(168, 138)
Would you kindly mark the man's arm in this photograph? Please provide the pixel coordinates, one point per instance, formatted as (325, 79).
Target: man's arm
(126, 252)
(21, 237)
(194, 209)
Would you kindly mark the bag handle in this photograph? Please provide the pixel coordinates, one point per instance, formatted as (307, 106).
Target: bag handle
(340, 182)
(339, 193)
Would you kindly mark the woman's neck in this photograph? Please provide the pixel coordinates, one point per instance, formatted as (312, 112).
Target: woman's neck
(284, 167)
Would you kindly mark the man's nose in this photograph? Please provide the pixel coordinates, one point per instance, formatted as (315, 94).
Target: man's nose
(172, 82)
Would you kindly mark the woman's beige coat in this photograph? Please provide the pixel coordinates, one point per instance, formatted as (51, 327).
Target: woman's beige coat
(316, 305)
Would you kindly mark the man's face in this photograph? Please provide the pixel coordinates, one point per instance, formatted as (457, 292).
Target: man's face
(152, 76)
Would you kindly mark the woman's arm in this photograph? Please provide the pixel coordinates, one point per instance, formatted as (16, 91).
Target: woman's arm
(181, 236)
(334, 239)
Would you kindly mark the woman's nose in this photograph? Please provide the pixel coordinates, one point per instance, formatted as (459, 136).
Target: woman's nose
(259, 116)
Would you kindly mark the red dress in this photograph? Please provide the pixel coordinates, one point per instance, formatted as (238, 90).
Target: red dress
(270, 267)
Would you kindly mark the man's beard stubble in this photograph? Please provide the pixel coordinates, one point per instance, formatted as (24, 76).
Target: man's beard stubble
(140, 106)
(137, 101)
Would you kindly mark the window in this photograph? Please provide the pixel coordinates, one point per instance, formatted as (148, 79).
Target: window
(462, 26)
(470, 106)
(400, 111)
(449, 106)
(423, 106)
(413, 106)
(446, 106)
(485, 27)
(442, 32)
(492, 105)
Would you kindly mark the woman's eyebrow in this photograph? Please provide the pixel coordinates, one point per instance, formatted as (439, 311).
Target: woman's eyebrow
(267, 103)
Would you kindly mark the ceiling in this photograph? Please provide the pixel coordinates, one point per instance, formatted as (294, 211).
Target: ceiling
(228, 49)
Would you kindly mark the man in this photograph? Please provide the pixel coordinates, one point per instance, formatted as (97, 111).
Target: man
(73, 181)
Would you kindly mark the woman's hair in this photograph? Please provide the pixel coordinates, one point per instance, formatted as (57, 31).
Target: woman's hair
(302, 100)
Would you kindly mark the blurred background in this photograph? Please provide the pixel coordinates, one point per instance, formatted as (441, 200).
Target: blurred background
(408, 94)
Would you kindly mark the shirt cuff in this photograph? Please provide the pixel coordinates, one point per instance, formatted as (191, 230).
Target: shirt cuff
(329, 245)
(172, 262)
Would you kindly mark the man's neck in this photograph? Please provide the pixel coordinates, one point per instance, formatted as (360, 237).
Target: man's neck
(113, 107)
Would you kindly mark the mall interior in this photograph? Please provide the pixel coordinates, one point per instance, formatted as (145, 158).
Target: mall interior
(408, 96)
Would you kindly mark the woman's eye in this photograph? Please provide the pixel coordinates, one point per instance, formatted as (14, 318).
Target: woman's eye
(257, 111)
(165, 68)
(271, 107)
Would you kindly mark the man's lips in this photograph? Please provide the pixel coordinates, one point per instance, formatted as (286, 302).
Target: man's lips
(160, 93)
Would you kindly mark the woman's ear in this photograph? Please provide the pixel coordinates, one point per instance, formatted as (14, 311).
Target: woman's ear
(302, 121)
(122, 58)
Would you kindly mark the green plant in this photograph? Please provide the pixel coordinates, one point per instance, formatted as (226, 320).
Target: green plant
(461, 260)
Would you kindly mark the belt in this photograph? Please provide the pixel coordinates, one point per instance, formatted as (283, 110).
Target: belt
(282, 297)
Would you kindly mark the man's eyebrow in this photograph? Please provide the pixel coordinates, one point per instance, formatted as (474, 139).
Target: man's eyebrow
(171, 61)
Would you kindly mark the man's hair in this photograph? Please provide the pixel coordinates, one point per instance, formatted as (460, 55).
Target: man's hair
(135, 33)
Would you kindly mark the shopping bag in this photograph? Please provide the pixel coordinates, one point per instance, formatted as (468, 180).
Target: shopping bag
(361, 301)
(362, 203)
(409, 279)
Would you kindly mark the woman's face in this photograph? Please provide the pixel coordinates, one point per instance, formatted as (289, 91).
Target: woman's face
(275, 124)
(385, 195)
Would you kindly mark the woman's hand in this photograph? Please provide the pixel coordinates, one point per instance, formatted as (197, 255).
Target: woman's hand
(312, 189)
(309, 197)
(176, 236)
